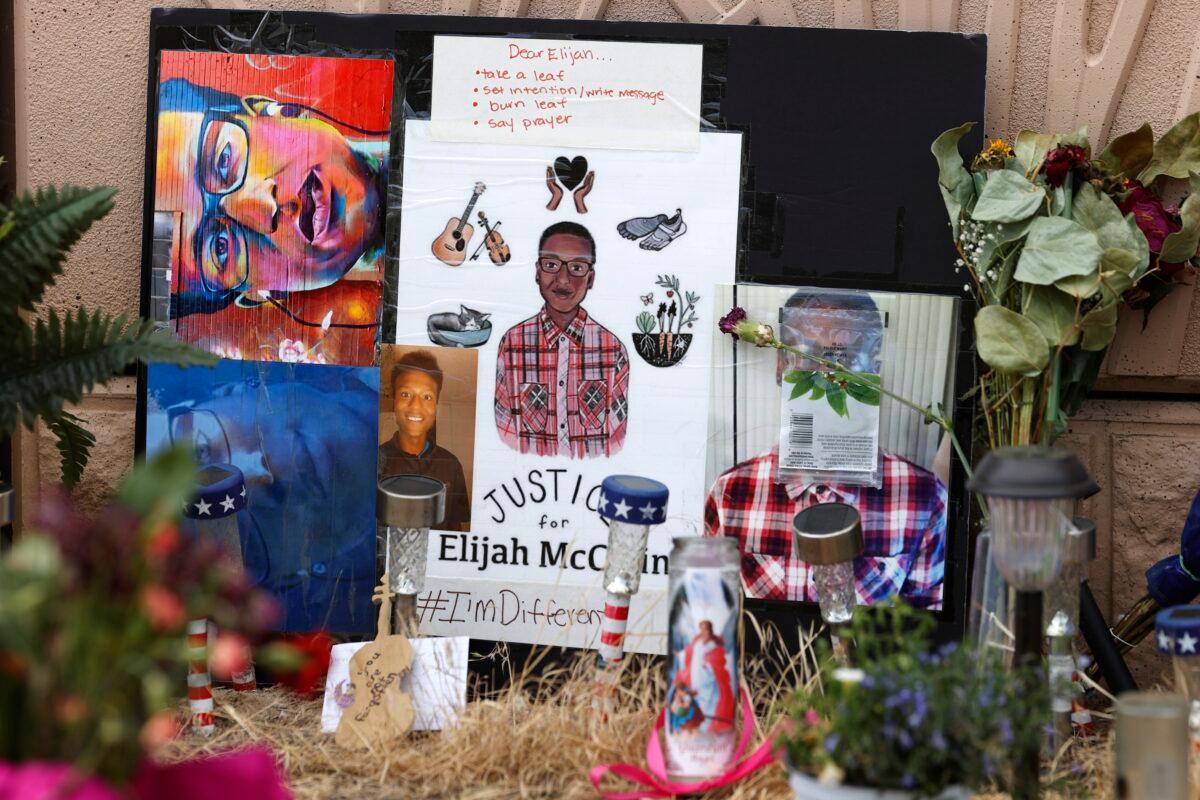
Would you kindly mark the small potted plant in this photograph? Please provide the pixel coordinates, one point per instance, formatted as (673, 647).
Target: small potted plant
(662, 341)
(909, 720)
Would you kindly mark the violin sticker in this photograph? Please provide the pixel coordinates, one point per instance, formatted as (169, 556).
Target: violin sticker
(381, 712)
(497, 248)
(450, 246)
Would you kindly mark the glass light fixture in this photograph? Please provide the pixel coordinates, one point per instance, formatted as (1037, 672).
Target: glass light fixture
(829, 537)
(406, 507)
(1031, 493)
(630, 505)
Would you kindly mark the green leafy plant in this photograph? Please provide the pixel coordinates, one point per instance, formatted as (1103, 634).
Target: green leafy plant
(1052, 240)
(835, 386)
(645, 322)
(49, 360)
(911, 716)
(92, 646)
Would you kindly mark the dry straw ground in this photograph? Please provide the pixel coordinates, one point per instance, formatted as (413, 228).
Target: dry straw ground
(535, 740)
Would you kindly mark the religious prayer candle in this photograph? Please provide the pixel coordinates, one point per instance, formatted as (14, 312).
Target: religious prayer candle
(630, 505)
(704, 599)
(213, 514)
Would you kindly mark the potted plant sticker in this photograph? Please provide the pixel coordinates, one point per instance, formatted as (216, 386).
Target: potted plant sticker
(661, 341)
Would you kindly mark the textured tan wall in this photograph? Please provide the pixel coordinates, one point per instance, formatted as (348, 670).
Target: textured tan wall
(81, 92)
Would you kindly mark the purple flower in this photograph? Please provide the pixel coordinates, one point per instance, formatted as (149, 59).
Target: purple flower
(938, 741)
(1006, 731)
(907, 781)
(831, 743)
(729, 322)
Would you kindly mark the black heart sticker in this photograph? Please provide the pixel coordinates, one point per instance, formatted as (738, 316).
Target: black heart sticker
(570, 173)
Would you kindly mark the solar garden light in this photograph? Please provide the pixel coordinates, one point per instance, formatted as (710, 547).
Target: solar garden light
(1061, 619)
(1031, 493)
(1178, 634)
(829, 537)
(406, 507)
(630, 505)
(211, 514)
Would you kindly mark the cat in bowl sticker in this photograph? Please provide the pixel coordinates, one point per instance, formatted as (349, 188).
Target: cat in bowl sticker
(464, 328)
(655, 232)
(664, 336)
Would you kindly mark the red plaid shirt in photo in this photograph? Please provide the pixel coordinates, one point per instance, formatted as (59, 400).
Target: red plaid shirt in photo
(904, 528)
(562, 392)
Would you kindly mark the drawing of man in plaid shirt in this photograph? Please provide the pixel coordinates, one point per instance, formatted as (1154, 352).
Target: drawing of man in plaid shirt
(903, 521)
(562, 379)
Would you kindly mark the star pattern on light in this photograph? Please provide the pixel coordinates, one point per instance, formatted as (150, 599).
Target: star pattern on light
(228, 503)
(243, 491)
(1164, 641)
(621, 509)
(1187, 643)
(202, 508)
(603, 502)
(649, 511)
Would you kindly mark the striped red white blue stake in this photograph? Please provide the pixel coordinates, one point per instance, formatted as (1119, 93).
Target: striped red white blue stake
(612, 628)
(245, 681)
(200, 698)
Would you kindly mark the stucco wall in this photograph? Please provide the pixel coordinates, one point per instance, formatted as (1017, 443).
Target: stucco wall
(81, 118)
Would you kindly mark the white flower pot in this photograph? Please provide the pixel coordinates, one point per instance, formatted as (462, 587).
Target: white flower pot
(806, 787)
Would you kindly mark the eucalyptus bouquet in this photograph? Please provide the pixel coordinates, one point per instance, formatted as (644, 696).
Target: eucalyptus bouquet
(1051, 240)
(910, 717)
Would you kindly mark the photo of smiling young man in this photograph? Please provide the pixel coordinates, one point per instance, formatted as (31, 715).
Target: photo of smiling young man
(562, 378)
(419, 380)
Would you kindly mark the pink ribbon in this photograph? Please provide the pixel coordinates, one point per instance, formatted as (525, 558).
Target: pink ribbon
(656, 783)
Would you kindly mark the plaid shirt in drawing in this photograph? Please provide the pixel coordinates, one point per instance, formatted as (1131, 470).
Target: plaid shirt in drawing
(562, 392)
(904, 528)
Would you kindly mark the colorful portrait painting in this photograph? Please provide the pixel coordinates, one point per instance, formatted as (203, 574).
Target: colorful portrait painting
(303, 436)
(269, 199)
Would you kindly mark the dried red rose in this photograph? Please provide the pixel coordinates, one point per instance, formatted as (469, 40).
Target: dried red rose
(1152, 219)
(1061, 160)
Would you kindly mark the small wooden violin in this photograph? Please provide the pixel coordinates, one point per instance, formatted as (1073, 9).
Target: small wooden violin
(381, 713)
(497, 249)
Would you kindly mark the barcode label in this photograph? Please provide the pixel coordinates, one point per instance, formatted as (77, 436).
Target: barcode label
(800, 432)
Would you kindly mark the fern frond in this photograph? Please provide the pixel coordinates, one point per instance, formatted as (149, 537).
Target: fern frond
(43, 228)
(63, 357)
(74, 444)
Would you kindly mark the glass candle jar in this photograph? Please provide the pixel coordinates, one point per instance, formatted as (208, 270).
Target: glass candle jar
(829, 537)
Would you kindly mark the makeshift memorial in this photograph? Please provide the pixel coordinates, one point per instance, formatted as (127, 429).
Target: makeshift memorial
(704, 600)
(910, 720)
(630, 505)
(1051, 240)
(1152, 747)
(381, 711)
(1031, 493)
(95, 611)
(406, 507)
(1178, 634)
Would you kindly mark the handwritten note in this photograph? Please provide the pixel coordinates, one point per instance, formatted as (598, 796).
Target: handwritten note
(566, 92)
(437, 682)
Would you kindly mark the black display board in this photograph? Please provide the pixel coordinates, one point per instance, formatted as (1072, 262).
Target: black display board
(838, 186)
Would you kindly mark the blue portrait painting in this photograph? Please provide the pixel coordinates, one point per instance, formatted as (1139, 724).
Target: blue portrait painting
(304, 437)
